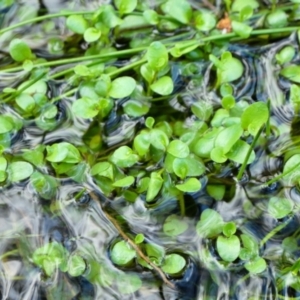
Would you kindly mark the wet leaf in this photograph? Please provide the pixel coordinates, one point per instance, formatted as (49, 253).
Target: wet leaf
(85, 108)
(292, 73)
(216, 191)
(3, 163)
(178, 149)
(290, 244)
(229, 229)
(135, 108)
(124, 182)
(217, 155)
(174, 226)
(157, 56)
(228, 137)
(124, 157)
(202, 110)
(77, 24)
(45, 185)
(289, 168)
(147, 72)
(241, 29)
(63, 152)
(139, 238)
(141, 143)
(159, 139)
(239, 152)
(228, 101)
(122, 87)
(151, 16)
(254, 117)
(180, 167)
(191, 185)
(125, 6)
(280, 207)
(104, 169)
(276, 19)
(173, 264)
(238, 5)
(204, 20)
(122, 254)
(76, 266)
(91, 34)
(256, 266)
(6, 125)
(180, 10)
(19, 50)
(224, 244)
(163, 86)
(285, 55)
(210, 224)
(19, 170)
(154, 187)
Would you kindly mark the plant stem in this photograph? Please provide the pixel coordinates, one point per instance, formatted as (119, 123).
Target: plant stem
(274, 231)
(282, 175)
(181, 204)
(134, 245)
(268, 128)
(243, 167)
(45, 17)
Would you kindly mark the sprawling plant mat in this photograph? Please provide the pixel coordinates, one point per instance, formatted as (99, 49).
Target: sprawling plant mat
(149, 149)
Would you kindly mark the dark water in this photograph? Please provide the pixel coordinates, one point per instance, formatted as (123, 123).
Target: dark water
(27, 222)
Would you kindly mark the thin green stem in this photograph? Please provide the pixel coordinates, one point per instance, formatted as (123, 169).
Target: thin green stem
(268, 127)
(66, 94)
(243, 167)
(181, 204)
(9, 253)
(282, 175)
(45, 17)
(128, 67)
(274, 231)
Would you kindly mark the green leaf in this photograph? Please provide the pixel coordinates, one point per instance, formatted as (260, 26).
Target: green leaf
(290, 165)
(285, 55)
(155, 252)
(174, 225)
(180, 167)
(217, 155)
(77, 24)
(239, 152)
(229, 229)
(139, 238)
(85, 108)
(280, 207)
(19, 50)
(277, 19)
(191, 185)
(134, 108)
(125, 6)
(157, 56)
(180, 10)
(254, 117)
(39, 87)
(91, 34)
(63, 152)
(141, 143)
(210, 224)
(124, 182)
(202, 110)
(292, 73)
(178, 149)
(246, 13)
(122, 254)
(216, 191)
(238, 5)
(149, 122)
(109, 17)
(19, 170)
(163, 86)
(241, 29)
(122, 87)
(3, 163)
(256, 266)
(159, 139)
(173, 264)
(154, 187)
(124, 157)
(45, 185)
(228, 248)
(147, 72)
(6, 124)
(228, 137)
(290, 244)
(228, 101)
(104, 169)
(151, 16)
(76, 266)
(205, 20)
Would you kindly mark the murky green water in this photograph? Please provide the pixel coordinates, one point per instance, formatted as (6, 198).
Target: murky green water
(27, 222)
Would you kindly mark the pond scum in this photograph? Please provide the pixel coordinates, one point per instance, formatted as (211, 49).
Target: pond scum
(150, 150)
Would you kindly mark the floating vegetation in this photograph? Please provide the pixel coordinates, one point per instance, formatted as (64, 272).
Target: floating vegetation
(150, 150)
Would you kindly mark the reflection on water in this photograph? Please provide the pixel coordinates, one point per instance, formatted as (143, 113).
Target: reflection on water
(27, 222)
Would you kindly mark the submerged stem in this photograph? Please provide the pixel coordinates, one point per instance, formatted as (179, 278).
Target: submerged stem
(135, 246)
(181, 204)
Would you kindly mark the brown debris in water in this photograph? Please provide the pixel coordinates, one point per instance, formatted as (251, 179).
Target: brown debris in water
(225, 24)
